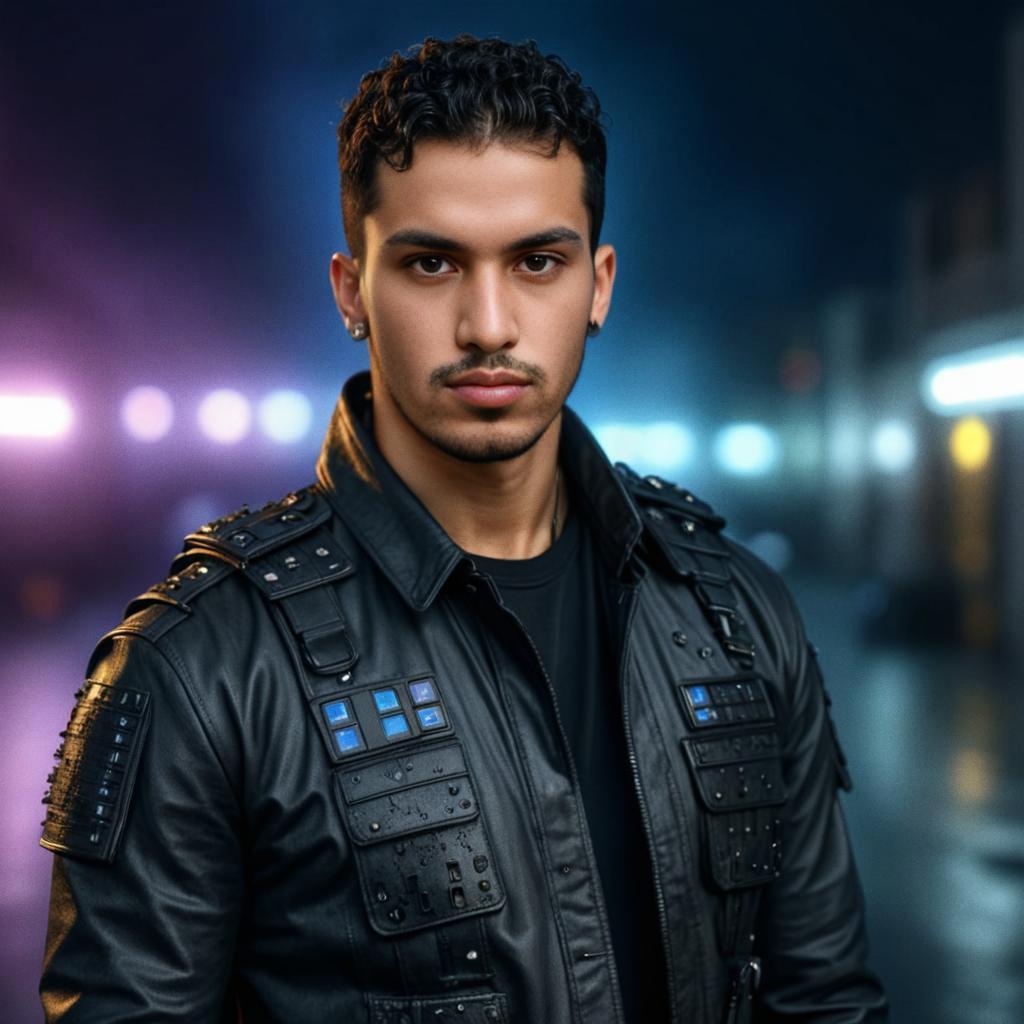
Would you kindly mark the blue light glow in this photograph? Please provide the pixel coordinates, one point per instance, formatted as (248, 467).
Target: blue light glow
(746, 449)
(660, 447)
(285, 416)
(985, 378)
(893, 447)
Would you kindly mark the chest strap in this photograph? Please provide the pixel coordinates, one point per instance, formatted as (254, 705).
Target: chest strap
(288, 552)
(687, 533)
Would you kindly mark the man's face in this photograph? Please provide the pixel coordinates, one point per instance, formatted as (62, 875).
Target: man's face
(478, 284)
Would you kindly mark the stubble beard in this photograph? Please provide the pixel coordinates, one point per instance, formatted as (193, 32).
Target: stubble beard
(490, 449)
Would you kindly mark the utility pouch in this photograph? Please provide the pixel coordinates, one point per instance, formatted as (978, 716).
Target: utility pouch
(738, 777)
(418, 839)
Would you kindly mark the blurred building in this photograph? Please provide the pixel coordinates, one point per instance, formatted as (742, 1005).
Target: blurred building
(925, 473)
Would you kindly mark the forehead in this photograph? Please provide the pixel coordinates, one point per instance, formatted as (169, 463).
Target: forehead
(480, 194)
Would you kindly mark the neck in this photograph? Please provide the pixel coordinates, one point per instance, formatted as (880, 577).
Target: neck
(496, 509)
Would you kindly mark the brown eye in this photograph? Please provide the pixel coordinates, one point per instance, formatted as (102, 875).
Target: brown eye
(430, 265)
(537, 264)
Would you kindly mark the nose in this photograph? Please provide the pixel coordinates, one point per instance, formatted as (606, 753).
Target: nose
(486, 316)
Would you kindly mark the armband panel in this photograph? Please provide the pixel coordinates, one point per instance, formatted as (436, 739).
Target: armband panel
(91, 787)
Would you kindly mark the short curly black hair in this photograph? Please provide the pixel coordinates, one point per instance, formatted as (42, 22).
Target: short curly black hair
(466, 90)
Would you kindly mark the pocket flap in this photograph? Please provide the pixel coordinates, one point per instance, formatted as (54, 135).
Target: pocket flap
(412, 810)
(735, 773)
(401, 771)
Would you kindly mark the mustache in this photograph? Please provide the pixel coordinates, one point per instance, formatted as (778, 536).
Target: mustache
(499, 361)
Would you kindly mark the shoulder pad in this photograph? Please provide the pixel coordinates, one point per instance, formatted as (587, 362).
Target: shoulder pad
(653, 490)
(244, 535)
(262, 543)
(185, 583)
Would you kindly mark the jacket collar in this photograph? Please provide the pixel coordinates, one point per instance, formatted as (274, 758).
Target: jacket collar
(403, 538)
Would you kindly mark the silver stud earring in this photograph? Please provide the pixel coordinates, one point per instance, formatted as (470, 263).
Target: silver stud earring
(359, 330)
(593, 328)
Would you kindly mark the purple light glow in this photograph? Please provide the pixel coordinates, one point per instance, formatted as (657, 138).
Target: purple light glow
(225, 416)
(147, 413)
(42, 416)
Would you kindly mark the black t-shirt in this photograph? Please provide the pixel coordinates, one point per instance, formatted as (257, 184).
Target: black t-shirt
(561, 599)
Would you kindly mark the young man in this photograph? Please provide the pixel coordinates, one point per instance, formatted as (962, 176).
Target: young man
(477, 728)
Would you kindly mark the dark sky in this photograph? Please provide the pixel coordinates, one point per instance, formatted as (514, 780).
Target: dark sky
(761, 154)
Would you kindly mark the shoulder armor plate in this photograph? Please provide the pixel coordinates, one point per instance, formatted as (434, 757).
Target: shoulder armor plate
(244, 535)
(269, 545)
(653, 490)
(687, 531)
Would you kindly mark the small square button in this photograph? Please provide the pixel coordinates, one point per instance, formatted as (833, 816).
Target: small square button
(386, 700)
(706, 715)
(431, 718)
(394, 726)
(698, 696)
(422, 691)
(337, 712)
(348, 740)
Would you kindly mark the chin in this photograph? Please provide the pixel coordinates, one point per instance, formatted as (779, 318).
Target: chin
(495, 448)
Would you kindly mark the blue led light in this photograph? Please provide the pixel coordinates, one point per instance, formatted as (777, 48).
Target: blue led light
(706, 715)
(431, 718)
(422, 691)
(348, 739)
(386, 700)
(394, 725)
(337, 712)
(698, 695)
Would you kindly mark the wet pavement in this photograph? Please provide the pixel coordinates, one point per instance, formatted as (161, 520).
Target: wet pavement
(936, 815)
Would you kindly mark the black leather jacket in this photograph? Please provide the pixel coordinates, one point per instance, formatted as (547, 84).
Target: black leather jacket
(318, 775)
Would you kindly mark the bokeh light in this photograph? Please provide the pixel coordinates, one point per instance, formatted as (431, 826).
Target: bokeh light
(746, 449)
(988, 378)
(43, 596)
(285, 415)
(970, 443)
(34, 416)
(772, 547)
(225, 416)
(971, 776)
(660, 447)
(893, 447)
(147, 413)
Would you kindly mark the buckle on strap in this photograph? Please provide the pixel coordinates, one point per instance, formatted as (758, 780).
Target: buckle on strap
(744, 981)
(328, 648)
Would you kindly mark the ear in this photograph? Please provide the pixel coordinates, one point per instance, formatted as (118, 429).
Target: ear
(345, 284)
(604, 279)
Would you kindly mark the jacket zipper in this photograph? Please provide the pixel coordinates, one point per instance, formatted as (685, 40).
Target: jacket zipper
(645, 819)
(574, 777)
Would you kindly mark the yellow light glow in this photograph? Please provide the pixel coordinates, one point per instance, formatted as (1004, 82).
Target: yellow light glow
(970, 443)
(971, 776)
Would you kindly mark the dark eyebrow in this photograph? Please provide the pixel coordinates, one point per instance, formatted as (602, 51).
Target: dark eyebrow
(428, 240)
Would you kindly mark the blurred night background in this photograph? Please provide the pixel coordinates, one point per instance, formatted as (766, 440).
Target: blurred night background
(818, 326)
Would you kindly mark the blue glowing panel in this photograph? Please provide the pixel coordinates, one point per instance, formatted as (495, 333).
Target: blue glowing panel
(386, 700)
(395, 725)
(337, 712)
(422, 691)
(705, 715)
(431, 718)
(698, 696)
(348, 740)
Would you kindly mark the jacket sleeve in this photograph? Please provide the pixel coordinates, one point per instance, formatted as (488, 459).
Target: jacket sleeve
(147, 877)
(810, 932)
